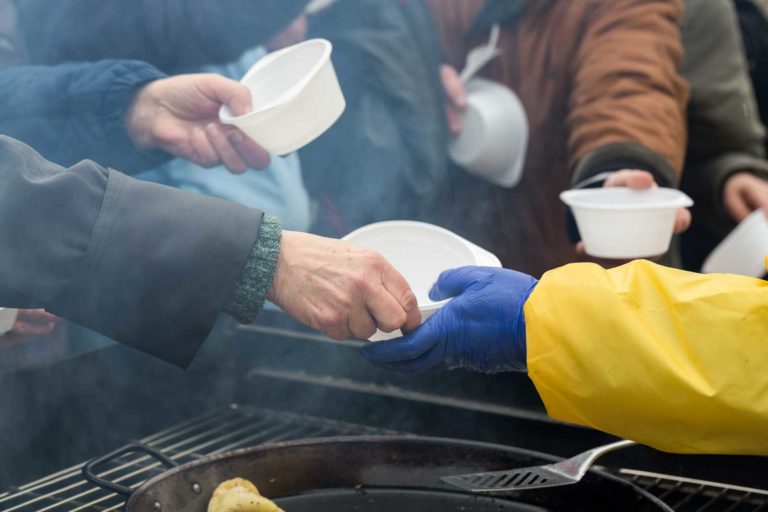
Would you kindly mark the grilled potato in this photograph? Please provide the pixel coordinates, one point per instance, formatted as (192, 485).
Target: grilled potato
(240, 495)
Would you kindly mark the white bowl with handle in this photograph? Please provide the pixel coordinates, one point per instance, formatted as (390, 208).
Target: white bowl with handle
(295, 97)
(623, 223)
(420, 252)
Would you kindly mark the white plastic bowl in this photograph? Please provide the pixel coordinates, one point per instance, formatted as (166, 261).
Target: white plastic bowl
(743, 251)
(494, 136)
(7, 319)
(621, 223)
(420, 252)
(295, 97)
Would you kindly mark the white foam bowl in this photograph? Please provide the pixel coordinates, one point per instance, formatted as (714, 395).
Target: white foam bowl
(743, 251)
(494, 135)
(420, 252)
(295, 96)
(7, 319)
(622, 223)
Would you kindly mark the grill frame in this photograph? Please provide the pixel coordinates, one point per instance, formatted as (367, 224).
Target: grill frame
(239, 426)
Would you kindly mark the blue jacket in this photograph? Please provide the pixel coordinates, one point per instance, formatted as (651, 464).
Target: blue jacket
(72, 112)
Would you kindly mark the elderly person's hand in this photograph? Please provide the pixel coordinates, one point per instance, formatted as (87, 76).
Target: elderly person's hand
(641, 180)
(455, 97)
(744, 193)
(180, 115)
(340, 288)
(482, 328)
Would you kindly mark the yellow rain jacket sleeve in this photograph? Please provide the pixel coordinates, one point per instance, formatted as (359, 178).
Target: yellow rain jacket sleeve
(671, 359)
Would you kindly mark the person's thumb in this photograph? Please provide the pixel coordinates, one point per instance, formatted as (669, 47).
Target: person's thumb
(229, 92)
(455, 281)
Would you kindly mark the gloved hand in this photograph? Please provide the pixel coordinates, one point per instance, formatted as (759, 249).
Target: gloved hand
(482, 328)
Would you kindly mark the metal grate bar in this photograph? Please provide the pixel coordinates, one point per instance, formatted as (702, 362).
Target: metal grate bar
(217, 432)
(239, 427)
(692, 495)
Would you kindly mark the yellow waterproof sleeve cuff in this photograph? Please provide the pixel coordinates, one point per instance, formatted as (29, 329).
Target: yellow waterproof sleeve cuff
(671, 359)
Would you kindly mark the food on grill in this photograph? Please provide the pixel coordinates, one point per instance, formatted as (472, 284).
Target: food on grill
(240, 495)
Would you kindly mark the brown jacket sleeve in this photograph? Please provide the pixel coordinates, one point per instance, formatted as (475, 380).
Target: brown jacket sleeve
(627, 104)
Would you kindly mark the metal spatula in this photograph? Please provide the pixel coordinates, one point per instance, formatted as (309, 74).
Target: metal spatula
(569, 471)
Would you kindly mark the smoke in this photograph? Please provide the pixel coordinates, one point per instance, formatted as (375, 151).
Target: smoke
(76, 395)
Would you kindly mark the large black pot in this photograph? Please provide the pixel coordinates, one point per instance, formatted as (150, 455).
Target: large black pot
(370, 474)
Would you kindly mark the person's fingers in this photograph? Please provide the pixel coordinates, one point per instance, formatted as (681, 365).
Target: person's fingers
(387, 312)
(455, 91)
(757, 197)
(453, 282)
(580, 249)
(292, 34)
(36, 315)
(229, 157)
(334, 325)
(629, 178)
(251, 153)
(361, 324)
(226, 91)
(396, 285)
(32, 328)
(456, 96)
(407, 348)
(204, 153)
(682, 221)
(455, 122)
(736, 204)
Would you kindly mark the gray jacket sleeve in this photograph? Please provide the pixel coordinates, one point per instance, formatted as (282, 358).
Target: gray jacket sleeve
(145, 264)
(726, 135)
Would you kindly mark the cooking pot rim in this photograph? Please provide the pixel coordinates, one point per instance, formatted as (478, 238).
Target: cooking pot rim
(381, 439)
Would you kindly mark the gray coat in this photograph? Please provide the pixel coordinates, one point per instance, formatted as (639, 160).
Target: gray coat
(725, 132)
(145, 264)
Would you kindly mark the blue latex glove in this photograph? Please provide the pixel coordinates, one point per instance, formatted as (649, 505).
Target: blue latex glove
(482, 328)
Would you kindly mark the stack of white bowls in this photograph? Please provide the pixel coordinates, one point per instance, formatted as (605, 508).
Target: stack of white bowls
(420, 252)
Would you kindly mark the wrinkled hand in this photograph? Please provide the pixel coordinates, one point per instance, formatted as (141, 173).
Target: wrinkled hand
(340, 288)
(744, 193)
(290, 35)
(640, 180)
(180, 115)
(482, 328)
(455, 96)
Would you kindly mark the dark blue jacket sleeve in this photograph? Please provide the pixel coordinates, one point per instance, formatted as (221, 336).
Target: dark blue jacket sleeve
(75, 111)
(171, 34)
(147, 265)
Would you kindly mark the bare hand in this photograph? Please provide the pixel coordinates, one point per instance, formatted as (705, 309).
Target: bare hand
(32, 322)
(341, 289)
(456, 98)
(640, 180)
(744, 193)
(180, 115)
(292, 34)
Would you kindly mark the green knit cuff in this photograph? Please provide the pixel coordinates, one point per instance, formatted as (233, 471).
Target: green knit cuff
(256, 278)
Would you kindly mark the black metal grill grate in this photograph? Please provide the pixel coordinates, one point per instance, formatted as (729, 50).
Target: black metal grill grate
(241, 426)
(225, 430)
(689, 495)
